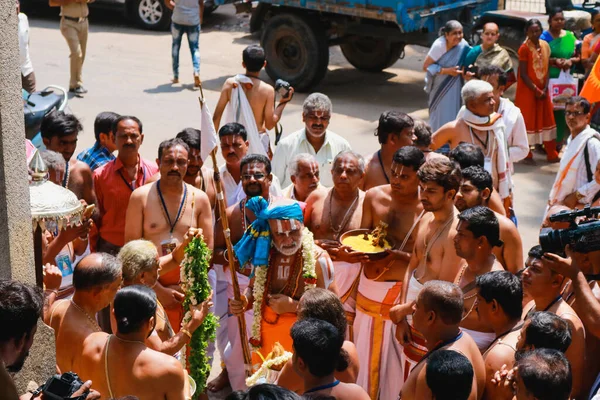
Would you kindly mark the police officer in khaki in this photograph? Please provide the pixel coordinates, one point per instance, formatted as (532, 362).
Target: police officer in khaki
(74, 27)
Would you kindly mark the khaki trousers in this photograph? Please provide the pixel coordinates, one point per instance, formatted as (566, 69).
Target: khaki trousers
(76, 34)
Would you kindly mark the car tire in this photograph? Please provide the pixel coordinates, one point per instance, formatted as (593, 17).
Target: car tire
(297, 50)
(153, 15)
(371, 54)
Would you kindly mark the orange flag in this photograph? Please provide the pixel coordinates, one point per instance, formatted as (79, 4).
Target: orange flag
(591, 87)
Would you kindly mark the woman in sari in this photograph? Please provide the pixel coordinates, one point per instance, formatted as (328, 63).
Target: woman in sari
(590, 41)
(444, 74)
(532, 91)
(562, 57)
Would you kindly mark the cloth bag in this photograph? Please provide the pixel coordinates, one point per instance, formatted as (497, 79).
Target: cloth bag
(562, 89)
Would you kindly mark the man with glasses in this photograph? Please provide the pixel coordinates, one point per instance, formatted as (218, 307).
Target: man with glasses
(575, 181)
(314, 139)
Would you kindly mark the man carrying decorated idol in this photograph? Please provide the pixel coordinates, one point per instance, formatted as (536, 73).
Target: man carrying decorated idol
(286, 263)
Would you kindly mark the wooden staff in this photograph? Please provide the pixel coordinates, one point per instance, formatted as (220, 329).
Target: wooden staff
(231, 257)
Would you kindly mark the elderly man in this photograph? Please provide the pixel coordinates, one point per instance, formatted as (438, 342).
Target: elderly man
(483, 127)
(490, 53)
(395, 130)
(437, 313)
(286, 263)
(96, 279)
(141, 267)
(398, 206)
(163, 212)
(314, 139)
(304, 172)
(116, 181)
(331, 212)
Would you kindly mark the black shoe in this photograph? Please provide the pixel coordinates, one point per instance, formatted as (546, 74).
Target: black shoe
(78, 91)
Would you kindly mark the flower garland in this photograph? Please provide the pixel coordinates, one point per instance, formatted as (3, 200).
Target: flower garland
(194, 282)
(263, 370)
(260, 279)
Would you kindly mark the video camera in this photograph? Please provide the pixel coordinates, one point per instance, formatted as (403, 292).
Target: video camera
(583, 238)
(61, 387)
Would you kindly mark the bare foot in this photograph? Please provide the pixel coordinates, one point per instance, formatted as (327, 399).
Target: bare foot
(217, 384)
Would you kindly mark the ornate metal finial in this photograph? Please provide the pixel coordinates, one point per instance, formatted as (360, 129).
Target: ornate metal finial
(39, 171)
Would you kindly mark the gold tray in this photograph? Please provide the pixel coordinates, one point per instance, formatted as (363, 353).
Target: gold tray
(360, 232)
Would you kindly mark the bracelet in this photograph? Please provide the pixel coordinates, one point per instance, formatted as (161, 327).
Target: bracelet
(186, 332)
(51, 291)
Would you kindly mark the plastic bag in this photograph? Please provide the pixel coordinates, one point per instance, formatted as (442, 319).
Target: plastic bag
(562, 89)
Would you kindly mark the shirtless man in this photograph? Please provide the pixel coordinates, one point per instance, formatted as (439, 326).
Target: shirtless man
(545, 287)
(481, 126)
(317, 354)
(331, 212)
(121, 364)
(96, 278)
(59, 133)
(499, 305)
(475, 190)
(476, 234)
(163, 212)
(304, 173)
(197, 173)
(260, 95)
(398, 206)
(423, 133)
(436, 314)
(434, 256)
(395, 130)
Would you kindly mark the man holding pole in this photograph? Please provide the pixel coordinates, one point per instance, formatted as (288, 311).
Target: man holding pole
(163, 212)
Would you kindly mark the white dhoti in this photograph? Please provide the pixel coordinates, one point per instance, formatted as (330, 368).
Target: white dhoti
(379, 352)
(482, 339)
(414, 351)
(221, 307)
(234, 356)
(346, 279)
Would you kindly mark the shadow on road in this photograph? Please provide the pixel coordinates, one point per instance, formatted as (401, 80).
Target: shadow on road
(171, 88)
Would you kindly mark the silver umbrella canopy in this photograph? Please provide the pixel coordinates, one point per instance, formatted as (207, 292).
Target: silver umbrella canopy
(52, 207)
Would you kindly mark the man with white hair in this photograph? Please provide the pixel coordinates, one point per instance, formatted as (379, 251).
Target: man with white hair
(314, 139)
(480, 125)
(304, 173)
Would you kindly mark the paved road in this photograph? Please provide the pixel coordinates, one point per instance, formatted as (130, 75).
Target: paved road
(128, 70)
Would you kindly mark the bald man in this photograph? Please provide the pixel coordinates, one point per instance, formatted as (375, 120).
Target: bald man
(96, 279)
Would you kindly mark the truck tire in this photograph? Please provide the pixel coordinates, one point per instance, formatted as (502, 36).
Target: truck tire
(371, 54)
(153, 15)
(297, 50)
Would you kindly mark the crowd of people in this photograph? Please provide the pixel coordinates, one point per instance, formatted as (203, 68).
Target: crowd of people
(451, 309)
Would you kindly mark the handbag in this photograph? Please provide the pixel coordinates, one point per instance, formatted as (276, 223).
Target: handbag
(562, 89)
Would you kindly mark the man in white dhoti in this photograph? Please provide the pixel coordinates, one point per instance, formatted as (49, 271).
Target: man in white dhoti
(397, 205)
(248, 100)
(575, 181)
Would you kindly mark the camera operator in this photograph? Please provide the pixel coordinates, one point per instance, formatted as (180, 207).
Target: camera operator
(20, 309)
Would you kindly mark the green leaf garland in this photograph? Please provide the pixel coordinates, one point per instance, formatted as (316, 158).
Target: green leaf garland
(194, 281)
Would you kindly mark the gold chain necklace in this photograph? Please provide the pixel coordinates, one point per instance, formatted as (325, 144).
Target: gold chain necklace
(345, 220)
(93, 321)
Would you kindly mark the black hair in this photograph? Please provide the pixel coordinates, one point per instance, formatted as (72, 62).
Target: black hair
(20, 309)
(546, 373)
(104, 123)
(482, 222)
(467, 155)
(478, 177)
(536, 252)
(191, 137)
(553, 11)
(581, 102)
(167, 144)
(548, 331)
(532, 22)
(318, 344)
(134, 305)
(409, 156)
(441, 171)
(449, 375)
(392, 122)
(254, 58)
(115, 124)
(256, 158)
(264, 391)
(233, 128)
(96, 276)
(594, 12)
(59, 123)
(423, 133)
(505, 288)
(491, 70)
(445, 299)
